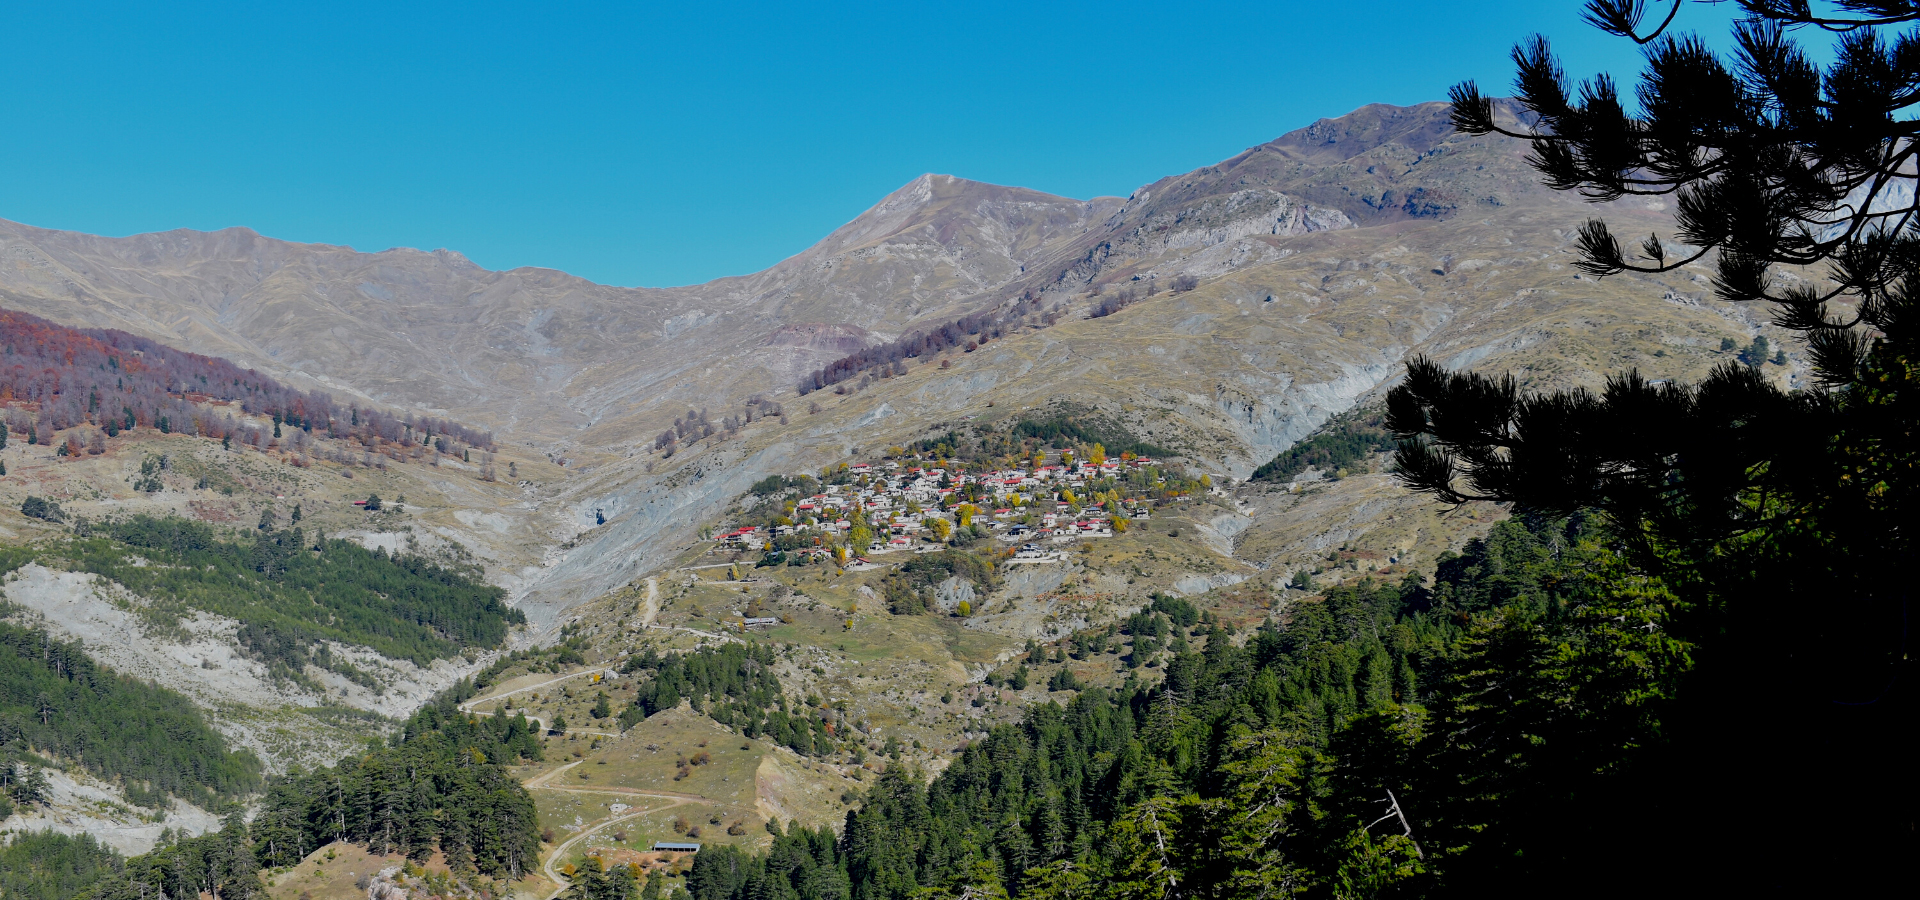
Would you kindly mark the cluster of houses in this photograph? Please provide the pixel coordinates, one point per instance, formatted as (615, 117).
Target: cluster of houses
(903, 503)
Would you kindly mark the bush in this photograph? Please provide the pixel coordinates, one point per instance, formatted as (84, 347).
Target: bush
(1182, 612)
(42, 508)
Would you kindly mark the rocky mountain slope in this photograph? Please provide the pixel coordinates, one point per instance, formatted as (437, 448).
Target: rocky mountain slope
(1223, 314)
(510, 348)
(1318, 263)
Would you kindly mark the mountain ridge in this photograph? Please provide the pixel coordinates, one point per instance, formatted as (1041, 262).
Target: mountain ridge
(1318, 262)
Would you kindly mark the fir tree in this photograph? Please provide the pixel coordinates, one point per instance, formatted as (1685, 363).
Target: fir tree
(1758, 504)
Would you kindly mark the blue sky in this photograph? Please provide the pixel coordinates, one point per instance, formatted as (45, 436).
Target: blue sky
(642, 145)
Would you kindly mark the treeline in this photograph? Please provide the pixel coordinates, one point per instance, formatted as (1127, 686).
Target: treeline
(967, 332)
(55, 378)
(56, 701)
(439, 785)
(1347, 438)
(711, 679)
(799, 856)
(778, 485)
(291, 589)
(696, 425)
(1072, 430)
(736, 686)
(46, 865)
(1389, 739)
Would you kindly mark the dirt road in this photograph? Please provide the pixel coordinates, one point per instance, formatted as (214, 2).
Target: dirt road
(544, 782)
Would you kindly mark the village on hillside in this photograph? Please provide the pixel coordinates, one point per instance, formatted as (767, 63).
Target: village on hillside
(856, 511)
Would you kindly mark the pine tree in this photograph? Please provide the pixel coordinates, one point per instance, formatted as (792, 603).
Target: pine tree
(1062, 880)
(1145, 856)
(1262, 775)
(235, 871)
(1757, 503)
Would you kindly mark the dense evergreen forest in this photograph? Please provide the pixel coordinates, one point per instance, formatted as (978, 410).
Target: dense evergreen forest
(439, 784)
(56, 701)
(46, 865)
(1345, 439)
(734, 684)
(291, 589)
(55, 378)
(1522, 683)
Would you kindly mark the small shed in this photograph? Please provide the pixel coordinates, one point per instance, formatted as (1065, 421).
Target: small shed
(673, 847)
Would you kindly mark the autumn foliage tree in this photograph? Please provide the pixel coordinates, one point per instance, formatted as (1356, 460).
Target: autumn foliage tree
(54, 378)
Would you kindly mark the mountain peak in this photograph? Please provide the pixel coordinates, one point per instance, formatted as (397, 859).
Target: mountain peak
(942, 207)
(1420, 128)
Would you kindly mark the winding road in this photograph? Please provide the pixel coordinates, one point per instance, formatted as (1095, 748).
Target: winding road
(467, 707)
(543, 782)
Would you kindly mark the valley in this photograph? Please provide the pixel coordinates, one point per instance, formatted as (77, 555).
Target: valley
(979, 451)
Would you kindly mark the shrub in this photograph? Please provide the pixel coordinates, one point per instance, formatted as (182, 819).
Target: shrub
(42, 508)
